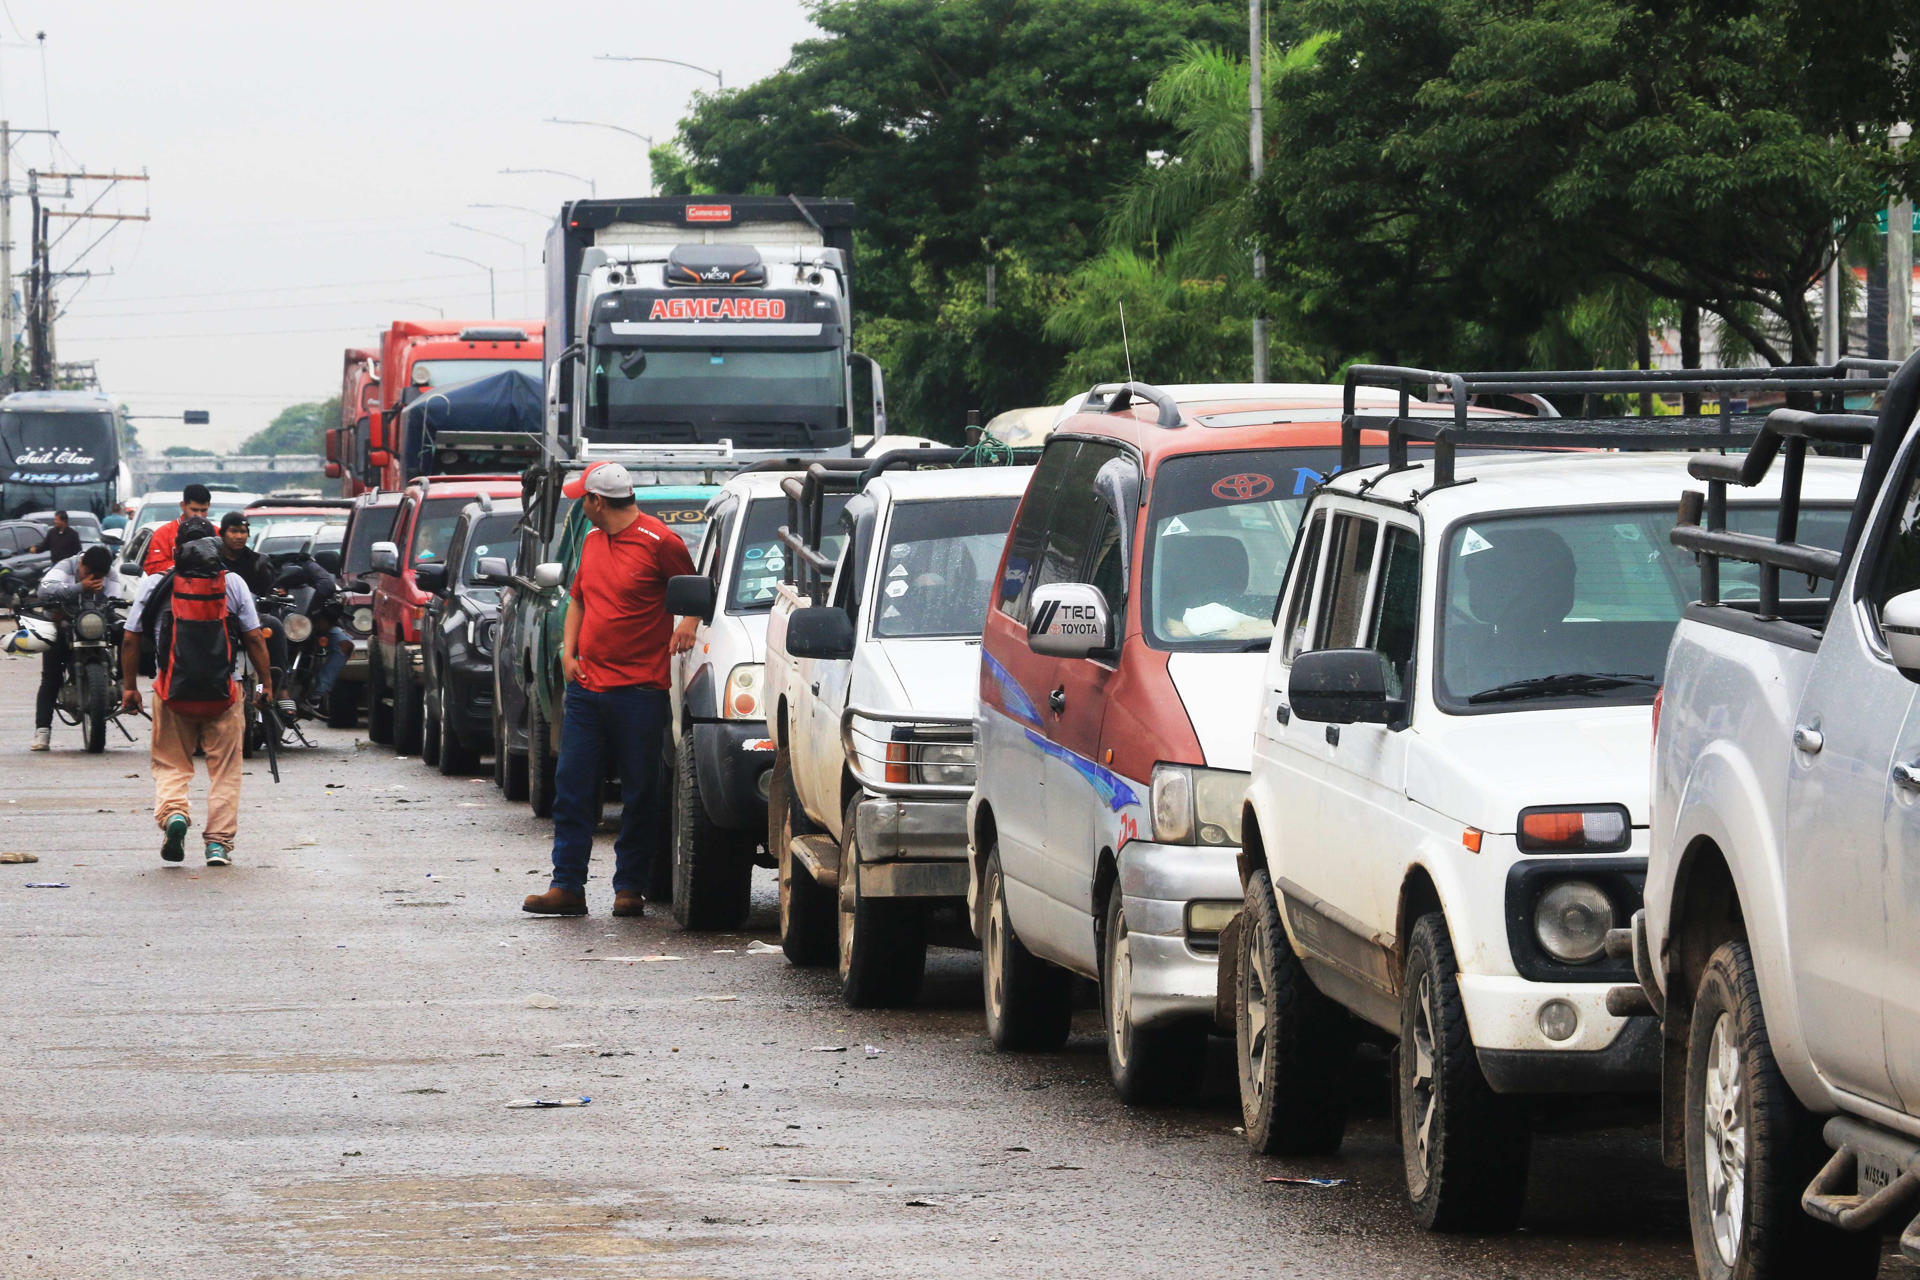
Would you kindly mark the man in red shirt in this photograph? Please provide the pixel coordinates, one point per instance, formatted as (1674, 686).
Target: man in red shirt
(195, 499)
(616, 653)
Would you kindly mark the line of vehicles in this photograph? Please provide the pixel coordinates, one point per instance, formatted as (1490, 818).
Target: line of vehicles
(1442, 719)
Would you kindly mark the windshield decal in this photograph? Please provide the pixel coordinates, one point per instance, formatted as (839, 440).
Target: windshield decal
(1243, 487)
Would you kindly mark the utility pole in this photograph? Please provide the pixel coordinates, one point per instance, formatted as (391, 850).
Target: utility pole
(1900, 265)
(41, 275)
(1256, 153)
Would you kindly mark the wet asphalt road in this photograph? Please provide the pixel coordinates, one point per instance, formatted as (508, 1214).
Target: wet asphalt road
(297, 1067)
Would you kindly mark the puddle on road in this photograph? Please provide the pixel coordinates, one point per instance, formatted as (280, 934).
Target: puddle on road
(379, 1227)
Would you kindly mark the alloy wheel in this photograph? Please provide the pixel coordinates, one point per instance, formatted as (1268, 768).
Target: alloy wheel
(1724, 1136)
(1257, 984)
(1424, 1089)
(1120, 993)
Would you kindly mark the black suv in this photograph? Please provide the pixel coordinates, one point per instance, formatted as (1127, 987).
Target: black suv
(458, 631)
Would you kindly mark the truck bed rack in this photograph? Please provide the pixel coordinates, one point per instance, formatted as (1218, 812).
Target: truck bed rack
(1593, 427)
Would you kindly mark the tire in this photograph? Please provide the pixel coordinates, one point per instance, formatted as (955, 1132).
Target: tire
(1293, 1047)
(539, 760)
(660, 873)
(252, 730)
(1150, 1066)
(454, 757)
(430, 720)
(807, 911)
(1466, 1148)
(94, 706)
(343, 707)
(1768, 1236)
(379, 704)
(712, 874)
(1029, 1002)
(882, 942)
(406, 709)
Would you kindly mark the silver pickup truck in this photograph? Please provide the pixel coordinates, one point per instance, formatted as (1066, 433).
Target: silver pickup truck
(1780, 938)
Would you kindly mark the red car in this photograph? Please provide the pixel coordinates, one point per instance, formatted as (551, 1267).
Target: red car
(422, 529)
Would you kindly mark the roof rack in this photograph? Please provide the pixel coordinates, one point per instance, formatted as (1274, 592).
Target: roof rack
(325, 503)
(1593, 428)
(1118, 399)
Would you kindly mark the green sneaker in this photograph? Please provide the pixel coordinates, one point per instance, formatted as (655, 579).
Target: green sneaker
(175, 847)
(219, 855)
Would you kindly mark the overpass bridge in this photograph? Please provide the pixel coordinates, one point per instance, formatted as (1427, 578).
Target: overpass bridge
(151, 470)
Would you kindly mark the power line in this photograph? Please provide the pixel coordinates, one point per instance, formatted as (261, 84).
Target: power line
(269, 306)
(305, 288)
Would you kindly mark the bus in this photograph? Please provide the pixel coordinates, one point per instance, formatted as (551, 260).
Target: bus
(59, 451)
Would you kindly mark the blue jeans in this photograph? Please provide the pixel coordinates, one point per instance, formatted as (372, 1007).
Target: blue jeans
(624, 727)
(339, 646)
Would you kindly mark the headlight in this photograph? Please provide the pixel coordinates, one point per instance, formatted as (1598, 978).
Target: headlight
(942, 764)
(91, 625)
(483, 636)
(362, 620)
(743, 692)
(298, 626)
(1571, 921)
(1197, 806)
(1594, 828)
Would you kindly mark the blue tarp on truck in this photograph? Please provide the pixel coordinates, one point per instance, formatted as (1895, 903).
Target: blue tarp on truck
(485, 425)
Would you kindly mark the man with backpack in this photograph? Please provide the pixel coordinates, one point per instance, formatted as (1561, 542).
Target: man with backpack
(195, 616)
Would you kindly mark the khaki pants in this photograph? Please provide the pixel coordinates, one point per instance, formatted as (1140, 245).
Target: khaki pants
(174, 740)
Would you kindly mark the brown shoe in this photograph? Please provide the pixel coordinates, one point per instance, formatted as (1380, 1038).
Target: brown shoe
(556, 902)
(628, 904)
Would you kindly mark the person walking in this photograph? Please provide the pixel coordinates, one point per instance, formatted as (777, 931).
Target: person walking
(192, 614)
(195, 501)
(62, 541)
(615, 651)
(92, 572)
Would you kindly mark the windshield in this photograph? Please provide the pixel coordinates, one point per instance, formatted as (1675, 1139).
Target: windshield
(55, 448)
(492, 535)
(1578, 607)
(369, 525)
(717, 376)
(940, 563)
(433, 530)
(261, 527)
(445, 375)
(759, 558)
(685, 516)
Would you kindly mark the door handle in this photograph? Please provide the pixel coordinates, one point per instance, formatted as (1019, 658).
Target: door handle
(1907, 776)
(1809, 739)
(816, 688)
(1333, 735)
(1058, 700)
(1283, 713)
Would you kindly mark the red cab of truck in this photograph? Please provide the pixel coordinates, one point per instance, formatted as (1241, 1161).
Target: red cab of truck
(422, 530)
(349, 445)
(418, 357)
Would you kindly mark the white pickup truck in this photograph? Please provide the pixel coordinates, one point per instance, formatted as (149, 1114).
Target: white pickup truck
(872, 671)
(1780, 937)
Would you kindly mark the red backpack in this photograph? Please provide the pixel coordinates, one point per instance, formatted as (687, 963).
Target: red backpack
(193, 646)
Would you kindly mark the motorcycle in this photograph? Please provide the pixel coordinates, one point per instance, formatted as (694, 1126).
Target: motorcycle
(306, 650)
(90, 625)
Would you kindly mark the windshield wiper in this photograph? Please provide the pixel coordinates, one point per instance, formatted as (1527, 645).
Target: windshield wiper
(1564, 683)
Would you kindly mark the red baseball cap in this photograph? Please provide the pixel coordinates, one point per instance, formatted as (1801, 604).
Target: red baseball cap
(608, 479)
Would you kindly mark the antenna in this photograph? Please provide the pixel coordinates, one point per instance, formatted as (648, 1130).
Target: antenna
(1124, 345)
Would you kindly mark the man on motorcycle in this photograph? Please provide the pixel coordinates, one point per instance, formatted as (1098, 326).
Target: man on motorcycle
(257, 572)
(92, 572)
(302, 570)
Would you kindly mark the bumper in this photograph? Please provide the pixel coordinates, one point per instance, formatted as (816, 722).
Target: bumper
(913, 848)
(732, 760)
(1175, 969)
(1604, 1054)
(468, 702)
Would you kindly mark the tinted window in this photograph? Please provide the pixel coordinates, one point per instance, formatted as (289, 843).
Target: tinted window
(1396, 612)
(433, 531)
(938, 569)
(1348, 572)
(1299, 605)
(1075, 519)
(370, 525)
(491, 535)
(1026, 540)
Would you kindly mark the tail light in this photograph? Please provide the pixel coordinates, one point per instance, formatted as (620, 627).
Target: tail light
(1658, 695)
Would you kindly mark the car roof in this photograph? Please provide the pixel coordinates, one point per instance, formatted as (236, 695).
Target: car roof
(1510, 481)
(467, 486)
(509, 507)
(955, 482)
(314, 513)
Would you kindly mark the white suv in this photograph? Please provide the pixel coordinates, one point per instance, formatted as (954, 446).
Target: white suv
(1448, 805)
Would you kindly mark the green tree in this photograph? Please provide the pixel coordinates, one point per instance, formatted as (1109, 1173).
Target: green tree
(185, 451)
(298, 428)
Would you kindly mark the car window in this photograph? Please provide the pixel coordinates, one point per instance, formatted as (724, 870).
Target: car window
(1029, 535)
(1108, 573)
(1396, 610)
(1300, 600)
(490, 535)
(434, 529)
(1075, 519)
(939, 566)
(1349, 572)
(760, 558)
(1898, 569)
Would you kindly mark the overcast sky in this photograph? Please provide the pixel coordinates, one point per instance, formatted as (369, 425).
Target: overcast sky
(304, 159)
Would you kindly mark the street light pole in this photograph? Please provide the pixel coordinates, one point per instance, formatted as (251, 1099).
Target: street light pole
(720, 80)
(493, 302)
(592, 190)
(1900, 264)
(526, 297)
(645, 139)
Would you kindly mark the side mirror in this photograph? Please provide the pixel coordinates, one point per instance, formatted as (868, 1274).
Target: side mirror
(493, 570)
(1069, 620)
(549, 576)
(1342, 686)
(112, 537)
(430, 578)
(333, 471)
(1900, 620)
(378, 458)
(823, 632)
(328, 560)
(383, 557)
(691, 595)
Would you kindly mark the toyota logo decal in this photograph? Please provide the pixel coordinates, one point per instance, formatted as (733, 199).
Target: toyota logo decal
(1243, 487)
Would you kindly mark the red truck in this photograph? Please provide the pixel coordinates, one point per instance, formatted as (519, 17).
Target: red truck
(349, 446)
(422, 530)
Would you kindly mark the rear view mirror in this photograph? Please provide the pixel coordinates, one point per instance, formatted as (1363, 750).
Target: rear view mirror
(822, 632)
(493, 570)
(691, 595)
(1900, 620)
(431, 578)
(549, 576)
(1342, 686)
(1069, 620)
(383, 557)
